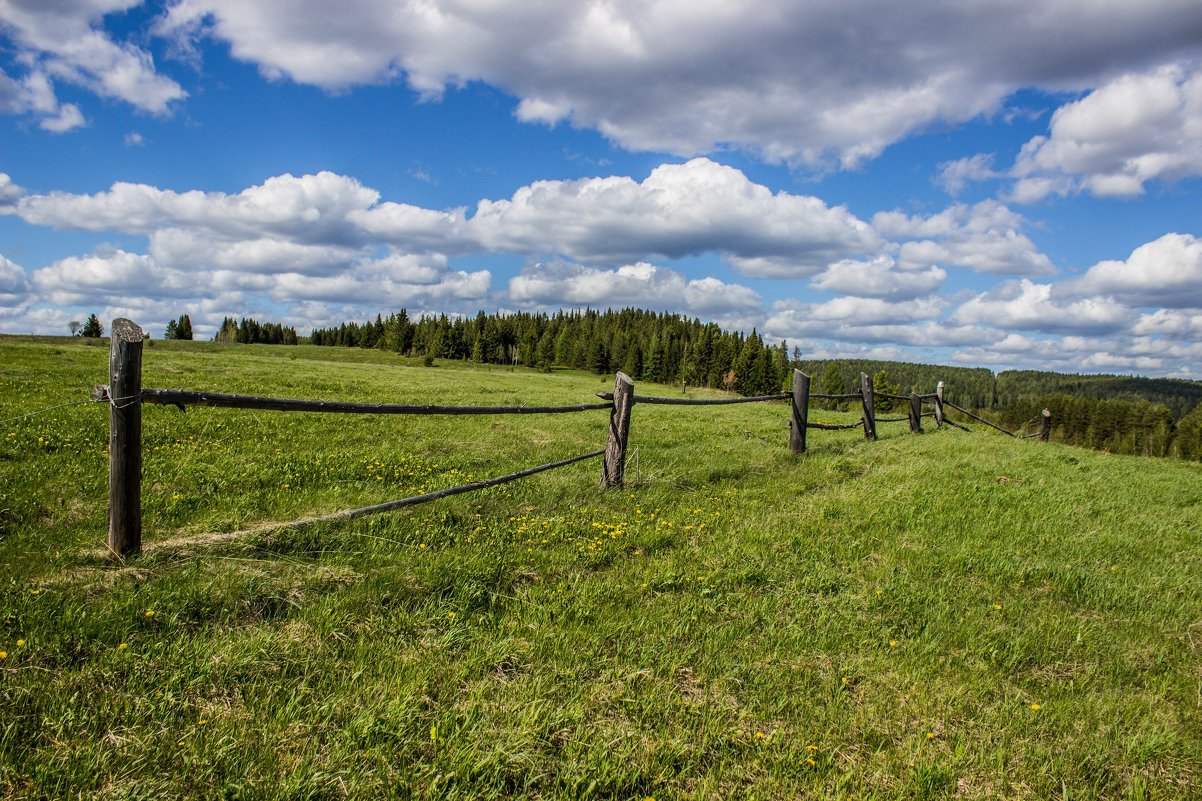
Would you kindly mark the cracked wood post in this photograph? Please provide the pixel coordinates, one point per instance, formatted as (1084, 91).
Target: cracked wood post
(915, 413)
(939, 405)
(619, 432)
(867, 402)
(125, 438)
(1045, 426)
(799, 412)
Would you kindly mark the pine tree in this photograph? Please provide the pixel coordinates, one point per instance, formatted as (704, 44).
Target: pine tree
(183, 329)
(92, 328)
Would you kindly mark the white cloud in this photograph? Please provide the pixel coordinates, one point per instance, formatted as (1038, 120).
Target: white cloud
(813, 83)
(679, 210)
(9, 193)
(14, 283)
(65, 41)
(955, 175)
(879, 278)
(642, 285)
(1164, 272)
(1137, 128)
(985, 238)
(1029, 306)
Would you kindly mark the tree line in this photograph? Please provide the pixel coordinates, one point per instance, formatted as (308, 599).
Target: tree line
(249, 331)
(660, 347)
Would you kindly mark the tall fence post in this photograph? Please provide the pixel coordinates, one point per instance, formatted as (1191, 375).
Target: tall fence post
(1045, 426)
(619, 432)
(125, 438)
(867, 401)
(915, 413)
(799, 413)
(939, 405)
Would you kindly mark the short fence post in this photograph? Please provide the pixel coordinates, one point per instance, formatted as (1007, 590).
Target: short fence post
(869, 413)
(915, 413)
(125, 438)
(939, 405)
(619, 432)
(799, 412)
(1045, 426)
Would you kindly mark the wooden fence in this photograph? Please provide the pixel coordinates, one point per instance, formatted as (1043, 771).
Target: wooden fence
(125, 396)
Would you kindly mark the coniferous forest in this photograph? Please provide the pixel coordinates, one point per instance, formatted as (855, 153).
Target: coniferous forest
(1120, 414)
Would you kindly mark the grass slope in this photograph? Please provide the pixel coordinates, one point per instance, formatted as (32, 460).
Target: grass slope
(946, 615)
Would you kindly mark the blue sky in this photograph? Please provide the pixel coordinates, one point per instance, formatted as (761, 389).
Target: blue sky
(931, 181)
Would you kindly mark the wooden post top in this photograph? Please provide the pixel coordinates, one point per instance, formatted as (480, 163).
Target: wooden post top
(126, 330)
(622, 377)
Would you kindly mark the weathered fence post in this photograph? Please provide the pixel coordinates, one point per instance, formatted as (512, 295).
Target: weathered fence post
(619, 432)
(799, 412)
(1045, 426)
(125, 438)
(915, 413)
(939, 405)
(866, 400)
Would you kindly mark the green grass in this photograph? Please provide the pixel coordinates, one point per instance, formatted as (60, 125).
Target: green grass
(870, 620)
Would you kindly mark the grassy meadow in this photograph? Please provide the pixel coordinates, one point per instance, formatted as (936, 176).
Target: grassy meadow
(948, 615)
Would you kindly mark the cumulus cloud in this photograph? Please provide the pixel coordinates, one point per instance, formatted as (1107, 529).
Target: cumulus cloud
(643, 285)
(679, 210)
(986, 238)
(1165, 272)
(1026, 305)
(14, 283)
(1140, 127)
(879, 278)
(803, 83)
(66, 41)
(9, 193)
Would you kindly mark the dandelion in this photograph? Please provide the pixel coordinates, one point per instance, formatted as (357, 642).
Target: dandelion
(759, 735)
(893, 643)
(3, 654)
(421, 547)
(201, 722)
(180, 744)
(20, 643)
(810, 749)
(122, 647)
(1036, 707)
(433, 732)
(997, 606)
(149, 613)
(930, 735)
(810, 761)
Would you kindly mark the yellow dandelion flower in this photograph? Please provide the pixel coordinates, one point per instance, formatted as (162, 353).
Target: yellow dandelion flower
(421, 547)
(122, 647)
(201, 722)
(149, 613)
(997, 606)
(20, 643)
(180, 744)
(930, 735)
(893, 643)
(3, 654)
(810, 761)
(759, 735)
(811, 749)
(1036, 707)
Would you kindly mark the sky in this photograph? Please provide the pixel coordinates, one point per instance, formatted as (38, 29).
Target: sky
(1000, 183)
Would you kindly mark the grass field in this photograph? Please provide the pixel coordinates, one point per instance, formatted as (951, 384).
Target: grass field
(940, 616)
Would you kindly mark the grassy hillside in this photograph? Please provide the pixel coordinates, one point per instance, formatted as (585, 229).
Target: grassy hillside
(945, 615)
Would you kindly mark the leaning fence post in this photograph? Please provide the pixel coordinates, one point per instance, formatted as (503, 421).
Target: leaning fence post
(799, 412)
(915, 413)
(939, 405)
(866, 399)
(1045, 426)
(125, 438)
(619, 432)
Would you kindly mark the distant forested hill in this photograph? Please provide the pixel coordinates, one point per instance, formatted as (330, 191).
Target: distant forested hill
(1178, 395)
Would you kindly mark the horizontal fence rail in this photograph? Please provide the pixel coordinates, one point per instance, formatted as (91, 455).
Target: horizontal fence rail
(180, 397)
(662, 401)
(125, 396)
